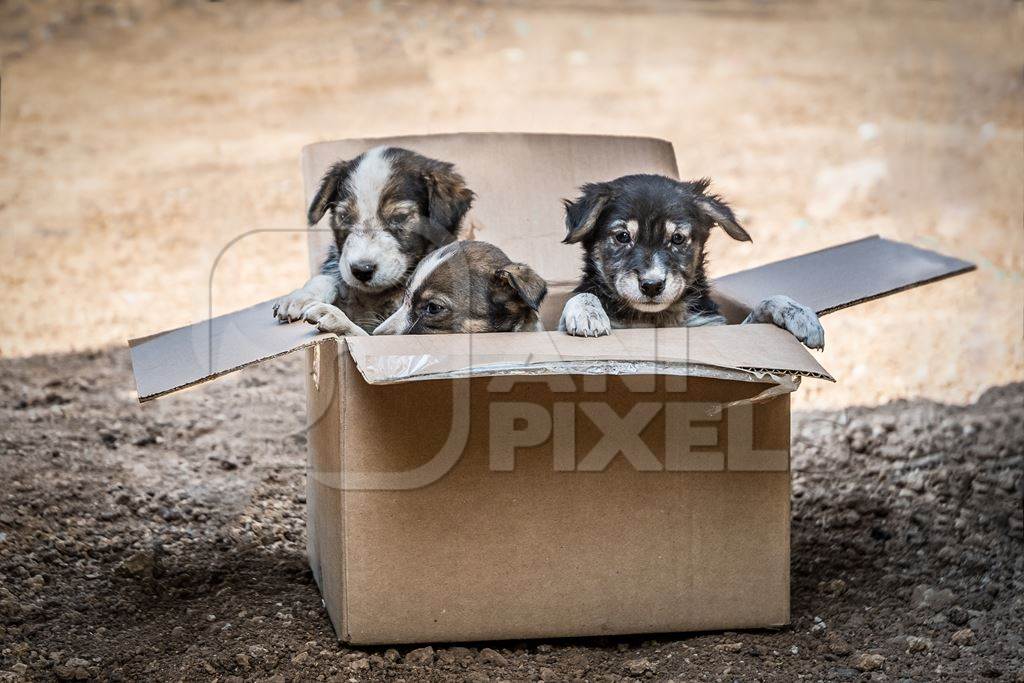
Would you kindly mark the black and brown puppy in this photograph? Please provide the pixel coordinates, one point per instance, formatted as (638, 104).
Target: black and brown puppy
(643, 238)
(389, 207)
(468, 287)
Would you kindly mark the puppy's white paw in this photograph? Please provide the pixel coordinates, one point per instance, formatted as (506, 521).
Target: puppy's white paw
(584, 316)
(329, 318)
(289, 308)
(799, 320)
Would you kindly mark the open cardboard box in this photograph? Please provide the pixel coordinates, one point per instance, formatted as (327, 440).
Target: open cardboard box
(521, 485)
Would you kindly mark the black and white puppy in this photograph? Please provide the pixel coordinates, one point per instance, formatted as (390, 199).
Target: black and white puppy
(643, 239)
(389, 207)
(468, 286)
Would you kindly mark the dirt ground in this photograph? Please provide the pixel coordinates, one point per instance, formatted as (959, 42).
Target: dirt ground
(167, 542)
(140, 137)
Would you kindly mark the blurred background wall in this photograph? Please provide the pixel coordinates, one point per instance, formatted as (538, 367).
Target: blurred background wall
(138, 138)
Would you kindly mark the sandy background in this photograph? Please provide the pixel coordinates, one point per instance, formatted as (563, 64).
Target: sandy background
(140, 138)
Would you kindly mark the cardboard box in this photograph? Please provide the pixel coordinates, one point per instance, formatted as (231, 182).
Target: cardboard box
(522, 485)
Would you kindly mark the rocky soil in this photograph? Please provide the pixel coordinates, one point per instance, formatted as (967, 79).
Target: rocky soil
(166, 542)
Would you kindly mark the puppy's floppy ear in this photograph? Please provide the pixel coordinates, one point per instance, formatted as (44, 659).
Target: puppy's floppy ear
(329, 192)
(712, 206)
(581, 214)
(448, 198)
(523, 283)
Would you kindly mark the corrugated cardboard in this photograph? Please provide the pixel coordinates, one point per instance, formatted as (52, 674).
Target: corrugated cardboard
(426, 525)
(480, 555)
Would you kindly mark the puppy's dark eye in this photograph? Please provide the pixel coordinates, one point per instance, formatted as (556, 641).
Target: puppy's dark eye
(678, 238)
(433, 308)
(399, 218)
(622, 237)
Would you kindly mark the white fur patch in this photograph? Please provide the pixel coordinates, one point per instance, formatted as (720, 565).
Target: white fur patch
(328, 318)
(799, 320)
(396, 322)
(320, 289)
(584, 316)
(367, 240)
(368, 181)
(429, 264)
(650, 308)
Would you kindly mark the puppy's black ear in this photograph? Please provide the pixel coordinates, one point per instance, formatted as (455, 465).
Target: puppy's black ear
(329, 192)
(523, 282)
(581, 214)
(712, 206)
(448, 198)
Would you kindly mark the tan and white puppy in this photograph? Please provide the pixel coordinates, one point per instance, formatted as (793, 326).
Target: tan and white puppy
(468, 287)
(389, 207)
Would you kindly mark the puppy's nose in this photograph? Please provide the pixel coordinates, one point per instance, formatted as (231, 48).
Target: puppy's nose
(363, 270)
(652, 286)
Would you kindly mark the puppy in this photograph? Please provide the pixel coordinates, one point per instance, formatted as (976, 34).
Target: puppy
(643, 239)
(468, 287)
(389, 208)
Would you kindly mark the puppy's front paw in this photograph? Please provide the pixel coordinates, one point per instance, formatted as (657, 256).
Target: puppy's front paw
(328, 318)
(799, 320)
(584, 316)
(289, 308)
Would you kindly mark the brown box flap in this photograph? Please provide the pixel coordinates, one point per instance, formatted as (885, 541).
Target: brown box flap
(753, 350)
(519, 179)
(180, 358)
(840, 276)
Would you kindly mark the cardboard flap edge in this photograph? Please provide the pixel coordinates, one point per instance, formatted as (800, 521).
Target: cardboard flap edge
(174, 360)
(728, 352)
(840, 276)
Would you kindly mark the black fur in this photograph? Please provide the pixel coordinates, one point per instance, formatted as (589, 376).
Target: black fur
(641, 206)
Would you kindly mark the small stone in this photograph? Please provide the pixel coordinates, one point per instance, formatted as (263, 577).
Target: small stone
(638, 667)
(391, 655)
(963, 637)
(835, 587)
(243, 660)
(836, 645)
(361, 664)
(729, 647)
(74, 669)
(141, 565)
(818, 629)
(548, 674)
(918, 644)
(421, 656)
(868, 662)
(19, 669)
(300, 658)
(489, 656)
